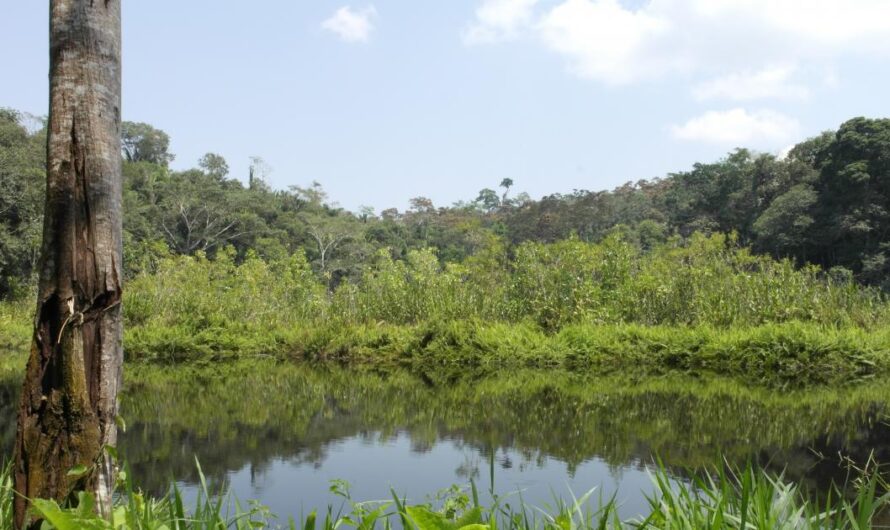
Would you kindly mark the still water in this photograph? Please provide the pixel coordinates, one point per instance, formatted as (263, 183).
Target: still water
(281, 433)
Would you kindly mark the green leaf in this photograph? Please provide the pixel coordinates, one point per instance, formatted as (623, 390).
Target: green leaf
(471, 517)
(475, 526)
(563, 521)
(78, 470)
(428, 520)
(119, 516)
(369, 521)
(51, 512)
(86, 504)
(309, 524)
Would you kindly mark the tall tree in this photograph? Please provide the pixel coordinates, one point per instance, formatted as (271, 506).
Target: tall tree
(69, 397)
(140, 142)
(853, 228)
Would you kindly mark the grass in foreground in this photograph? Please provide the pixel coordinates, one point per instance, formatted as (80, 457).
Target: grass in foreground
(748, 499)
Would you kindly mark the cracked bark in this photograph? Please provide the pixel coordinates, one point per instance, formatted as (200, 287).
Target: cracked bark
(69, 397)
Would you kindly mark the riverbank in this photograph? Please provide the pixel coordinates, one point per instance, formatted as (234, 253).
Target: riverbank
(698, 305)
(775, 353)
(794, 353)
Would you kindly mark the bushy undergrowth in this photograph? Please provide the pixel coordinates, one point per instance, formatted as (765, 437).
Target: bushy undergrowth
(747, 499)
(795, 351)
(705, 303)
(705, 281)
(15, 325)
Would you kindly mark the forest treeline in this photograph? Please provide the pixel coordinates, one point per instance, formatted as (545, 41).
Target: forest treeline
(826, 203)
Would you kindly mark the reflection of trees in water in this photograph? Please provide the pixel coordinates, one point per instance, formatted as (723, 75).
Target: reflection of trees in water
(469, 468)
(828, 458)
(249, 415)
(294, 413)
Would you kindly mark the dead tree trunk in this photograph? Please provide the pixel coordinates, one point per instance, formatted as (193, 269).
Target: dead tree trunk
(69, 398)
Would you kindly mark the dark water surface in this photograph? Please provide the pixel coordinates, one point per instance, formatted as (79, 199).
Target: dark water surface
(281, 433)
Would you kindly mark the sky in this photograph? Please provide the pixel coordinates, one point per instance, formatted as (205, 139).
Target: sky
(384, 100)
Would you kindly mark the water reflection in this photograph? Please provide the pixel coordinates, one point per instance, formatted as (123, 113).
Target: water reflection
(281, 432)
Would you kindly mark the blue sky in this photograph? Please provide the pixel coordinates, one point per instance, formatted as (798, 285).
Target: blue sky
(384, 100)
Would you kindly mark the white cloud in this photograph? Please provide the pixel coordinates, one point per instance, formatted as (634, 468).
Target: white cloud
(738, 126)
(603, 40)
(499, 20)
(827, 22)
(351, 25)
(608, 41)
(775, 83)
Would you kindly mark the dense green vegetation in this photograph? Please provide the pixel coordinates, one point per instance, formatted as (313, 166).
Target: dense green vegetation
(605, 279)
(643, 273)
(825, 203)
(771, 269)
(701, 303)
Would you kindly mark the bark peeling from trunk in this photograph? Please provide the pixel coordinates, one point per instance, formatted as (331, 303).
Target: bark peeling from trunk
(69, 400)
